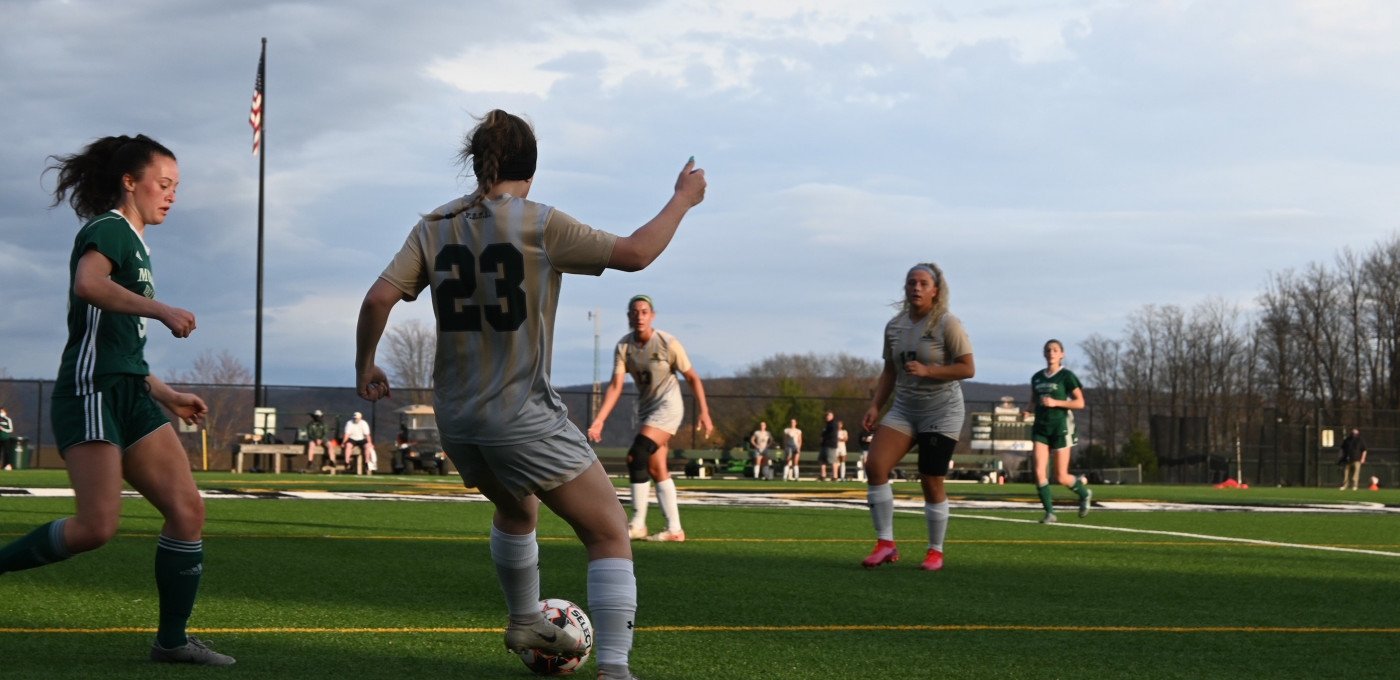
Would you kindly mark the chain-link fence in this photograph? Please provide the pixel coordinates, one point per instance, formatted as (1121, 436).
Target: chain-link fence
(1259, 447)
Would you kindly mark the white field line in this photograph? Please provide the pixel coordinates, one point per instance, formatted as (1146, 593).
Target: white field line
(1183, 534)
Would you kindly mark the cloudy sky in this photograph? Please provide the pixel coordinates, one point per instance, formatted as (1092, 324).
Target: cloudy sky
(1065, 161)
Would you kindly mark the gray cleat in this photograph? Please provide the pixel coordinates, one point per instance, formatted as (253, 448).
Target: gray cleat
(541, 635)
(1049, 518)
(1084, 502)
(194, 651)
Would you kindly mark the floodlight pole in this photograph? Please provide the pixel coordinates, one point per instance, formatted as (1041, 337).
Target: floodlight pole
(596, 316)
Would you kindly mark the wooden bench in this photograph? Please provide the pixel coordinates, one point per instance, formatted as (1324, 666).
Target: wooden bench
(979, 465)
(277, 451)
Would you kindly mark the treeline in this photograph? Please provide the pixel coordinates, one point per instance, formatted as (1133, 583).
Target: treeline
(1321, 342)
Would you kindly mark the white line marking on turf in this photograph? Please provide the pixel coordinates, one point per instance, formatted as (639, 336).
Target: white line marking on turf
(1183, 534)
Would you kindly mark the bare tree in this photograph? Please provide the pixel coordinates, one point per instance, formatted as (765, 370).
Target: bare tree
(1105, 372)
(412, 346)
(220, 379)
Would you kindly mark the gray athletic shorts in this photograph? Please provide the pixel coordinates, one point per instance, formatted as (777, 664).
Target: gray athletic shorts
(826, 455)
(528, 468)
(945, 421)
(667, 415)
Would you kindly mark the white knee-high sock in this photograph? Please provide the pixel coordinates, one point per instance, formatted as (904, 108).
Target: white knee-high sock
(612, 604)
(881, 500)
(641, 497)
(517, 560)
(936, 516)
(666, 498)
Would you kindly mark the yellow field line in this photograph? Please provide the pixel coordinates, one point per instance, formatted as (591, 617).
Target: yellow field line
(948, 628)
(571, 539)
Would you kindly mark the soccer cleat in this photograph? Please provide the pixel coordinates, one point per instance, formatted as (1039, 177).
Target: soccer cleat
(635, 532)
(883, 553)
(933, 561)
(1049, 518)
(667, 535)
(614, 672)
(194, 651)
(542, 635)
(1084, 502)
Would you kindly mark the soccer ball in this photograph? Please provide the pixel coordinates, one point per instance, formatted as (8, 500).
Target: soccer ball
(568, 615)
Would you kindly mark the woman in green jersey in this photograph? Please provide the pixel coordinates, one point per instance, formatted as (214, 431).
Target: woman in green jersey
(106, 406)
(494, 261)
(1055, 391)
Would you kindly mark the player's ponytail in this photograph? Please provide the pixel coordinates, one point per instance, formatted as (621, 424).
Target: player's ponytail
(91, 180)
(501, 148)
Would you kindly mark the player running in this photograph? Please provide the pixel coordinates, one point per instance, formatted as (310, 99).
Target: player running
(495, 262)
(653, 358)
(927, 353)
(106, 420)
(1055, 391)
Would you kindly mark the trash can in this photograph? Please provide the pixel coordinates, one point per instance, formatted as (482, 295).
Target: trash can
(20, 452)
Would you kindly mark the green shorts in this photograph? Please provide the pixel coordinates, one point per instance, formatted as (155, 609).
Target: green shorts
(121, 413)
(1054, 436)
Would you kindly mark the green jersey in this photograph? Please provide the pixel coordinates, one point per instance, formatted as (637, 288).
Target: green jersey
(103, 344)
(1059, 387)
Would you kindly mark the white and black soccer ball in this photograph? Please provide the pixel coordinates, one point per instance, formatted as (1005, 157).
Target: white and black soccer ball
(569, 616)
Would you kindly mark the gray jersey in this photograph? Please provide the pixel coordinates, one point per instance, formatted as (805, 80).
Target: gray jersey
(925, 398)
(495, 272)
(653, 365)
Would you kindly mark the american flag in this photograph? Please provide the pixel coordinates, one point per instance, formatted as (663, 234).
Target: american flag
(255, 116)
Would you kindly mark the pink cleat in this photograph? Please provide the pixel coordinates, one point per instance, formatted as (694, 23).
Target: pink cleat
(933, 561)
(884, 552)
(668, 536)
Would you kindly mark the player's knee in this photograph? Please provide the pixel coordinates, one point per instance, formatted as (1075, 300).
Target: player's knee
(639, 459)
(82, 534)
(935, 452)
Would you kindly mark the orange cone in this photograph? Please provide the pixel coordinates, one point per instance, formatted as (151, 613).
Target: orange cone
(1375, 483)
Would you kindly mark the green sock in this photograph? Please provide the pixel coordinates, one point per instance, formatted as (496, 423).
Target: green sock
(41, 546)
(1045, 499)
(178, 567)
(1079, 488)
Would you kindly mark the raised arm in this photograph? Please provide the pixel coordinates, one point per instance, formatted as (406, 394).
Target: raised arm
(636, 252)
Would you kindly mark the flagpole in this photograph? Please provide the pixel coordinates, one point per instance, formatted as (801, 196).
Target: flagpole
(262, 167)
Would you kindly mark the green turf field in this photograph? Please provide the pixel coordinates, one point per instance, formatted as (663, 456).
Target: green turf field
(369, 589)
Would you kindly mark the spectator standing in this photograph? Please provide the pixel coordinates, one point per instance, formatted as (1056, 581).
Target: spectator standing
(839, 470)
(792, 446)
(1353, 457)
(760, 440)
(7, 432)
(827, 455)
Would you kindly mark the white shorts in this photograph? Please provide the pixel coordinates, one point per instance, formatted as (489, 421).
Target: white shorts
(667, 415)
(525, 469)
